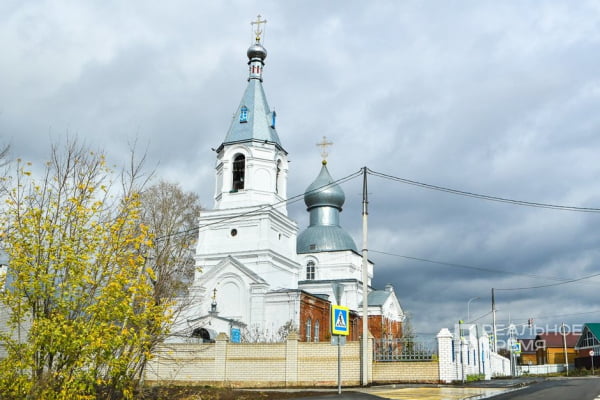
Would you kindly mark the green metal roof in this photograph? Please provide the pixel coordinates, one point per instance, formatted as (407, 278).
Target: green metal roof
(594, 328)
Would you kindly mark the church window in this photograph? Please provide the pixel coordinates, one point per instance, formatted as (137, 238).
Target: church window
(273, 119)
(239, 170)
(310, 270)
(317, 330)
(277, 176)
(308, 329)
(243, 114)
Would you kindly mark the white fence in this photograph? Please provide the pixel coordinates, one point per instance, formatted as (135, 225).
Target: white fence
(461, 356)
(540, 369)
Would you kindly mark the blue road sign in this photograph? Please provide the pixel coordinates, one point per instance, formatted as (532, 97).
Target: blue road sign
(236, 335)
(340, 321)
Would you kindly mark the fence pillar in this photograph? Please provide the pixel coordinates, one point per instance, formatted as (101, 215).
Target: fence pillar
(291, 360)
(447, 372)
(484, 356)
(220, 367)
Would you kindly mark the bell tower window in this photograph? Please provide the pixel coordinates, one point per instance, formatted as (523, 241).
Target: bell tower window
(243, 114)
(278, 176)
(239, 170)
(310, 270)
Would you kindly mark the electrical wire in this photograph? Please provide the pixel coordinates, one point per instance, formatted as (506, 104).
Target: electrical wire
(479, 317)
(551, 284)
(561, 280)
(258, 210)
(483, 196)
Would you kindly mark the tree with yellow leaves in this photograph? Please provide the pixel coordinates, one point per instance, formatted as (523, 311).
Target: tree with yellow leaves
(78, 294)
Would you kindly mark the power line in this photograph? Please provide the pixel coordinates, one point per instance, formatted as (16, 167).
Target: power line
(290, 200)
(449, 264)
(551, 284)
(483, 196)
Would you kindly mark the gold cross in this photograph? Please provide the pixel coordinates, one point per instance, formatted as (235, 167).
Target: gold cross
(323, 145)
(257, 30)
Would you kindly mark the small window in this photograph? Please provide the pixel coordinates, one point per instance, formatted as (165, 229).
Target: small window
(273, 119)
(310, 270)
(243, 114)
(239, 170)
(308, 329)
(317, 330)
(277, 176)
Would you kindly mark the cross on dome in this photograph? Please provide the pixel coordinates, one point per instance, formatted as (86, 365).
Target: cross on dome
(257, 30)
(323, 145)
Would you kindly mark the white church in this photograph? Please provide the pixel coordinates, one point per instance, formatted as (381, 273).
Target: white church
(257, 277)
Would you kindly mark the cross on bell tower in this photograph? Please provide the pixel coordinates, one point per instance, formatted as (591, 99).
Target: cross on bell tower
(257, 31)
(323, 145)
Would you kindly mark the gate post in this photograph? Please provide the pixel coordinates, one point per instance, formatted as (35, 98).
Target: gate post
(446, 366)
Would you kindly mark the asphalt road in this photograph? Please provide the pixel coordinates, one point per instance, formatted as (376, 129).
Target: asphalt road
(557, 389)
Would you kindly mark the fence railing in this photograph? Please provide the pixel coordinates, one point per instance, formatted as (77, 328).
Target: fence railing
(404, 349)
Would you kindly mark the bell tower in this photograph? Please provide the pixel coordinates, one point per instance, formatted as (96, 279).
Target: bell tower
(252, 165)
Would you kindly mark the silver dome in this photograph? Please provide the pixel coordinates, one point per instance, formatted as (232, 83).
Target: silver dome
(256, 51)
(323, 193)
(324, 200)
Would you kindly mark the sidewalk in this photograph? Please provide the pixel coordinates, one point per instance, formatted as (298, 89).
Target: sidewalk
(471, 391)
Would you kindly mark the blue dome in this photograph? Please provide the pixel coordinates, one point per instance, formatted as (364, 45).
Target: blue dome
(322, 193)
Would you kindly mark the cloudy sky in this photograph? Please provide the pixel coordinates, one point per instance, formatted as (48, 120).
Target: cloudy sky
(488, 97)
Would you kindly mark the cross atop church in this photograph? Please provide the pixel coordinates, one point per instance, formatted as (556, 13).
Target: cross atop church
(257, 30)
(323, 145)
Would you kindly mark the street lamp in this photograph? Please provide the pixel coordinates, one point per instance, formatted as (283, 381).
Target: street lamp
(468, 308)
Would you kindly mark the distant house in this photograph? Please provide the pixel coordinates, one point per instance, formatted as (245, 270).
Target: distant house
(528, 352)
(551, 347)
(588, 341)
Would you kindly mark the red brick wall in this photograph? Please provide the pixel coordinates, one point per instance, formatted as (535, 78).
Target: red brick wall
(379, 327)
(316, 309)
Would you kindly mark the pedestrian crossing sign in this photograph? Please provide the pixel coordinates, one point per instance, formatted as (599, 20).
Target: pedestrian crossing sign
(340, 323)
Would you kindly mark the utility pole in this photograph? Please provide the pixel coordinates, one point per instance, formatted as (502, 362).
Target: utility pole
(564, 335)
(365, 287)
(494, 321)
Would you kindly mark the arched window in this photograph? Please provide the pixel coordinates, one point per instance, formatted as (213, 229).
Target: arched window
(243, 114)
(310, 270)
(277, 176)
(308, 329)
(317, 330)
(239, 169)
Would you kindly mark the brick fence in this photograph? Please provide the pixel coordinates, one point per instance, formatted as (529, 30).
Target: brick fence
(295, 363)
(291, 363)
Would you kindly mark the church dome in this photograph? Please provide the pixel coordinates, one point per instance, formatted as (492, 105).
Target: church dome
(323, 193)
(324, 200)
(315, 239)
(256, 51)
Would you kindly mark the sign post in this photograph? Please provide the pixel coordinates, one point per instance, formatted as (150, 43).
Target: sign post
(340, 327)
(592, 357)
